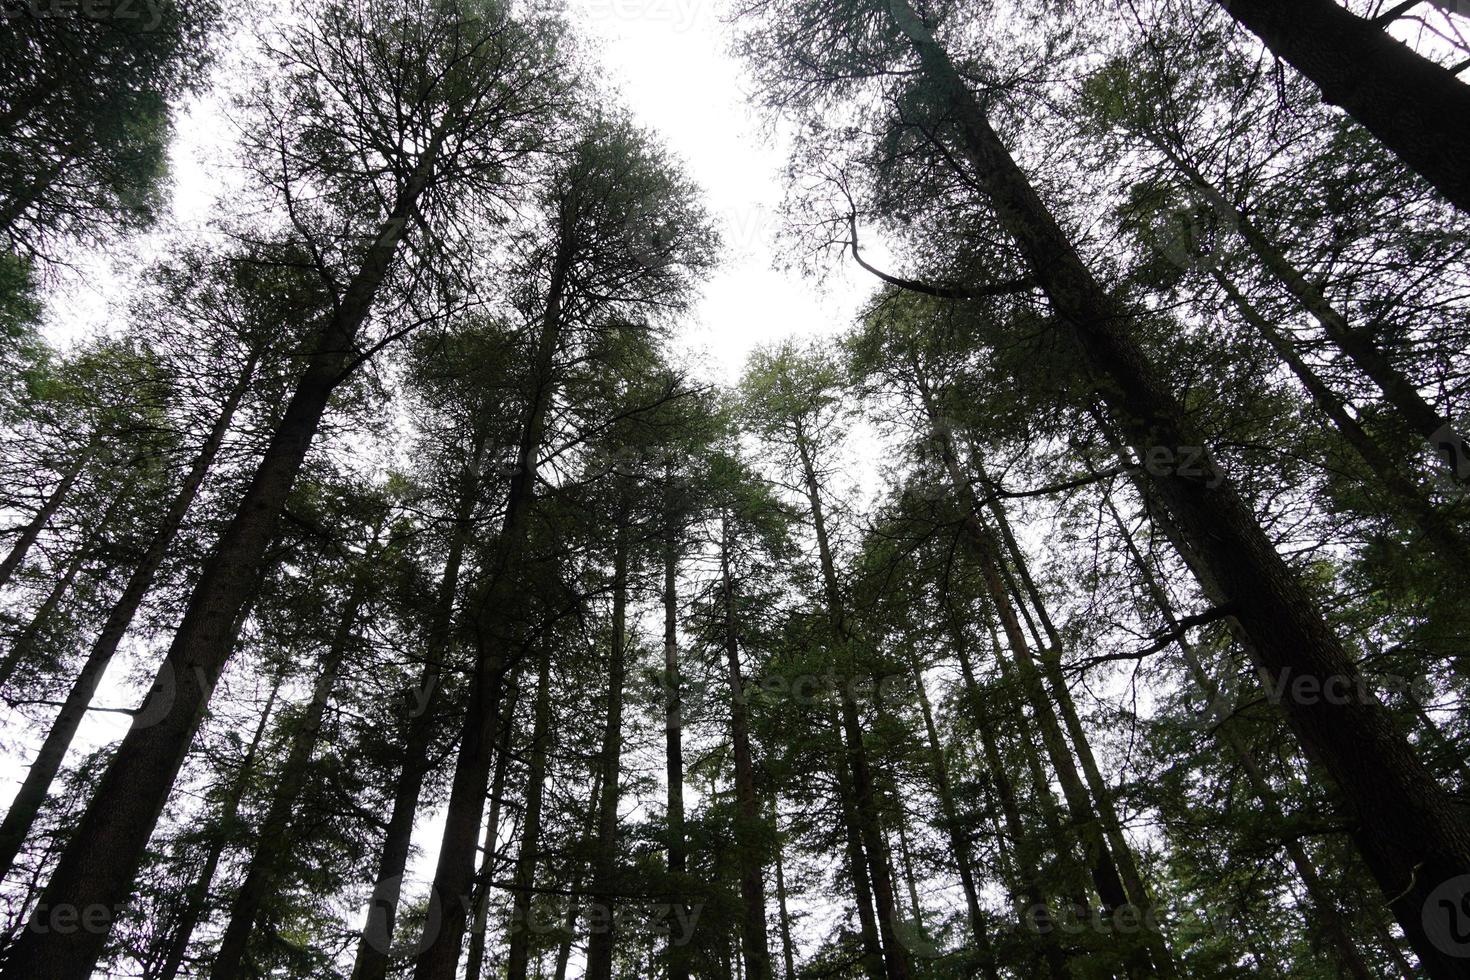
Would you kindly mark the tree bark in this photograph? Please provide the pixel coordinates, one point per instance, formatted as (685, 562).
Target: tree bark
(1408, 828)
(788, 959)
(233, 962)
(97, 868)
(33, 791)
(1417, 109)
(589, 827)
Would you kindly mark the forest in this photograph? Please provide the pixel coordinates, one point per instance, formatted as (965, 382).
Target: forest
(386, 590)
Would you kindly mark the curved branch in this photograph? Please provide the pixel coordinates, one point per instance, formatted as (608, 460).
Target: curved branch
(1005, 288)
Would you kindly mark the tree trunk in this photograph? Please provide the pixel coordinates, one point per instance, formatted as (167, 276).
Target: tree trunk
(1408, 828)
(198, 894)
(753, 943)
(37, 784)
(865, 805)
(602, 937)
(421, 706)
(33, 528)
(783, 916)
(475, 960)
(1406, 498)
(1329, 918)
(1037, 915)
(589, 827)
(455, 870)
(526, 860)
(1417, 109)
(959, 847)
(1415, 412)
(25, 644)
(96, 871)
(678, 966)
(857, 868)
(274, 841)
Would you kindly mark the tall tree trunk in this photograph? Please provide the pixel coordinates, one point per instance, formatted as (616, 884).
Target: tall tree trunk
(574, 899)
(1359, 348)
(24, 646)
(1416, 108)
(274, 840)
(421, 705)
(788, 958)
(753, 944)
(456, 866)
(1102, 793)
(959, 847)
(602, 939)
(1446, 539)
(177, 939)
(489, 859)
(526, 860)
(678, 966)
(97, 868)
(1027, 886)
(1328, 917)
(33, 528)
(857, 867)
(33, 791)
(1408, 828)
(895, 955)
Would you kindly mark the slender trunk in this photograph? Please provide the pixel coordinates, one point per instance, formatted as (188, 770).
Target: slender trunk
(97, 868)
(1328, 917)
(603, 938)
(24, 646)
(526, 860)
(753, 943)
(271, 851)
(959, 847)
(857, 870)
(1408, 828)
(198, 894)
(421, 704)
(678, 966)
(475, 960)
(1417, 109)
(1406, 498)
(895, 955)
(1359, 348)
(906, 861)
(37, 784)
(788, 958)
(42, 517)
(455, 869)
(1102, 793)
(589, 827)
(1036, 916)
